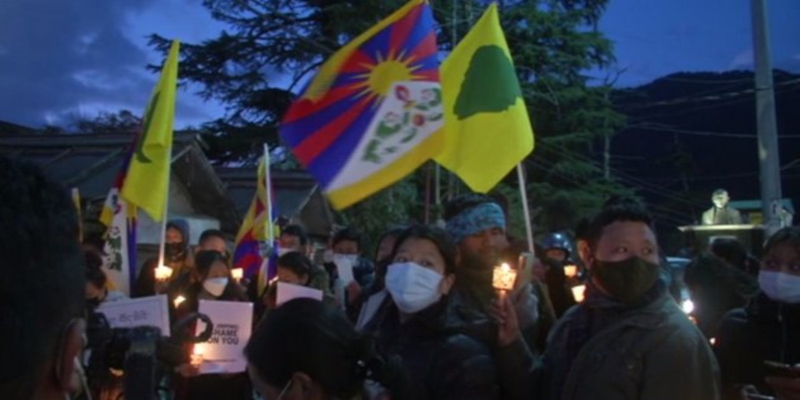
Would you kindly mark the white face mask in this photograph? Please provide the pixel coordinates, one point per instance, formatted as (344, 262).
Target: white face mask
(779, 286)
(412, 286)
(344, 260)
(327, 256)
(215, 286)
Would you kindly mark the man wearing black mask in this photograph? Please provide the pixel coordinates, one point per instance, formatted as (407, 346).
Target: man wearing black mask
(628, 339)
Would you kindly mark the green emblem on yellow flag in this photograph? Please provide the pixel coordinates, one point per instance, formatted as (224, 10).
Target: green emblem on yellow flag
(487, 127)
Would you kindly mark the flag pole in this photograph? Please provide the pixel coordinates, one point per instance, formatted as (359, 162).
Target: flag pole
(163, 241)
(525, 210)
(270, 233)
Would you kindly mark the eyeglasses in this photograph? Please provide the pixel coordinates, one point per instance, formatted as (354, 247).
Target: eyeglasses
(776, 266)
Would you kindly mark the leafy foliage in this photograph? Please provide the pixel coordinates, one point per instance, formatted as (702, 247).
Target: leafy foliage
(272, 47)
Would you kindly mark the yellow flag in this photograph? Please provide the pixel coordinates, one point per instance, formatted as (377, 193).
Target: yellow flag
(486, 121)
(147, 181)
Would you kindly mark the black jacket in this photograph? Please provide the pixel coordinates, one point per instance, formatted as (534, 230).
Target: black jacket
(441, 359)
(765, 330)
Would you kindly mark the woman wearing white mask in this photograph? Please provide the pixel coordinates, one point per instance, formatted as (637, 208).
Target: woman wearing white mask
(416, 323)
(768, 329)
(215, 283)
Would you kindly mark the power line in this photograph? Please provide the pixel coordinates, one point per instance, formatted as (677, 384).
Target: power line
(700, 133)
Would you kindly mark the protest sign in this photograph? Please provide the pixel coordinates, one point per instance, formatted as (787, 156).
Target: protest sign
(288, 291)
(224, 352)
(344, 267)
(145, 311)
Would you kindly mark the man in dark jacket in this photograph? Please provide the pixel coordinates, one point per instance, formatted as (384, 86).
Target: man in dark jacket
(628, 339)
(477, 224)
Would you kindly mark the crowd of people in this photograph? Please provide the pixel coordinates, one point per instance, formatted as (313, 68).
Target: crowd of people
(596, 317)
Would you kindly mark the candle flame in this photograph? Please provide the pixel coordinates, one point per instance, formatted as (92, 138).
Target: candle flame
(578, 292)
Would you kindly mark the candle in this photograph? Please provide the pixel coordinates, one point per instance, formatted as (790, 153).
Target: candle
(570, 271)
(163, 273)
(178, 300)
(237, 273)
(197, 355)
(504, 277)
(578, 292)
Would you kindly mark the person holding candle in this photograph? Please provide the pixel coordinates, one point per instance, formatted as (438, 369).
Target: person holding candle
(177, 257)
(557, 251)
(477, 224)
(628, 339)
(416, 323)
(215, 283)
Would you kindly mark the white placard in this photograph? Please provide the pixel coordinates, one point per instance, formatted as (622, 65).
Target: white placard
(145, 311)
(288, 291)
(344, 266)
(223, 353)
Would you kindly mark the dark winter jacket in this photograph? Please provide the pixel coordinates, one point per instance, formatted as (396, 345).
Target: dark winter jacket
(441, 359)
(765, 330)
(648, 352)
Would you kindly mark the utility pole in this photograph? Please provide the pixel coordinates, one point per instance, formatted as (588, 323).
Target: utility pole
(768, 155)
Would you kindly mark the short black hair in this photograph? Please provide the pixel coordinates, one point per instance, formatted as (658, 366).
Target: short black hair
(205, 259)
(790, 235)
(621, 209)
(444, 243)
(296, 262)
(296, 230)
(719, 192)
(347, 234)
(730, 250)
(465, 202)
(305, 335)
(209, 233)
(42, 279)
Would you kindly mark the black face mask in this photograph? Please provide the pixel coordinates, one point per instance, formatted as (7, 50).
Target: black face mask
(173, 249)
(627, 280)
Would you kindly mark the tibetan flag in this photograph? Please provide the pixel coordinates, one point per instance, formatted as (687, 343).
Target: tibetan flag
(487, 126)
(119, 261)
(373, 113)
(147, 180)
(252, 240)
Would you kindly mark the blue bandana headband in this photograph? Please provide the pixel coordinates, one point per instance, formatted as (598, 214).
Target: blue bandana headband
(476, 219)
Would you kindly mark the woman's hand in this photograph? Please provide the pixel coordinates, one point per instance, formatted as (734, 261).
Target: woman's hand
(502, 310)
(188, 370)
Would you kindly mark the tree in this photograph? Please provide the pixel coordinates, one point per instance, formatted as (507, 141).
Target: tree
(272, 46)
(123, 121)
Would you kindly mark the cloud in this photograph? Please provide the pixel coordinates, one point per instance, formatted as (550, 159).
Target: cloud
(742, 60)
(58, 55)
